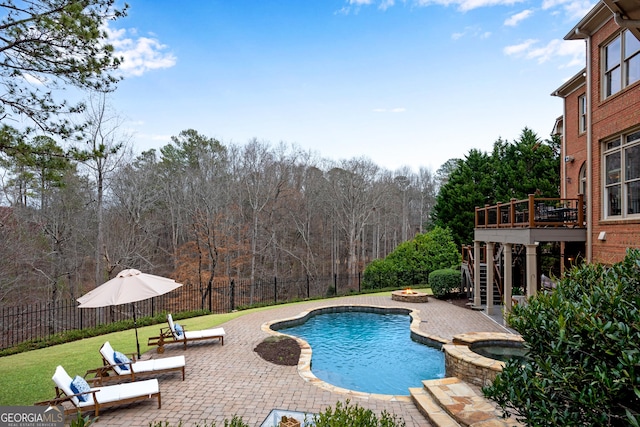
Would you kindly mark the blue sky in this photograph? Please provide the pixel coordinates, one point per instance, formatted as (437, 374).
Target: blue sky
(401, 82)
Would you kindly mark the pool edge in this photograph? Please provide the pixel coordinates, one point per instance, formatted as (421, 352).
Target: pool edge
(304, 363)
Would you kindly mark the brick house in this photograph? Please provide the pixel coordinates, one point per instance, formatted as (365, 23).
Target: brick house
(601, 129)
(597, 216)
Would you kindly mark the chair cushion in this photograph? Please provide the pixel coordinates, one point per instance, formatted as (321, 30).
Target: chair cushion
(79, 385)
(178, 329)
(158, 364)
(63, 382)
(121, 360)
(107, 352)
(204, 333)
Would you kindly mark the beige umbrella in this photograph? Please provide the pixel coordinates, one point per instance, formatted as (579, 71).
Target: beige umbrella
(127, 287)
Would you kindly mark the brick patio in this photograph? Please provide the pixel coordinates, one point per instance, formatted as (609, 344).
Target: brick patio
(232, 379)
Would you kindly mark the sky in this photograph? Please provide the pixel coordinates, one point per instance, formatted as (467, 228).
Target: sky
(404, 83)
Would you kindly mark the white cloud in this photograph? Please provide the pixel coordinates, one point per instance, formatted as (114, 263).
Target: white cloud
(514, 20)
(557, 48)
(472, 31)
(140, 54)
(386, 4)
(467, 5)
(574, 9)
(517, 49)
(463, 5)
(36, 81)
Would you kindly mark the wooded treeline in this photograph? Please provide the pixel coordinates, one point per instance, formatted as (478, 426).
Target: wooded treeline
(196, 210)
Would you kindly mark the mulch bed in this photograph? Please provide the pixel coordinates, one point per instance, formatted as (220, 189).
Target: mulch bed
(279, 350)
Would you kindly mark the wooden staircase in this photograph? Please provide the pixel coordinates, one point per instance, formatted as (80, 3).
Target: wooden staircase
(451, 402)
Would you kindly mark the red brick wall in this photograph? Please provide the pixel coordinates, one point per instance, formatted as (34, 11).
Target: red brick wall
(612, 116)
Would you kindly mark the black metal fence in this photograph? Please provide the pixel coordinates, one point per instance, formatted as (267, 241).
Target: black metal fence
(41, 321)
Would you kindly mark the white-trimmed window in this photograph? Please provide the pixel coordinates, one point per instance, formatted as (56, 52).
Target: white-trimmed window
(621, 65)
(582, 186)
(582, 113)
(622, 176)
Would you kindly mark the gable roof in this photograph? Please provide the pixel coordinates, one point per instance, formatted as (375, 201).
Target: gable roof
(626, 13)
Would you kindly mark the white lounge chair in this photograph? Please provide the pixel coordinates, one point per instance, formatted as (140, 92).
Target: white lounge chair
(131, 368)
(176, 333)
(87, 398)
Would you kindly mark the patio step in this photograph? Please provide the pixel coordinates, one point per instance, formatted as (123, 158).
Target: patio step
(450, 402)
(431, 409)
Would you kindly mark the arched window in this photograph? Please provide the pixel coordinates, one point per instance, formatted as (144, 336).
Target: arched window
(582, 184)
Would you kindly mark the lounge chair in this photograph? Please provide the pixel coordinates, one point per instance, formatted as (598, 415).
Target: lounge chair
(83, 397)
(127, 368)
(176, 333)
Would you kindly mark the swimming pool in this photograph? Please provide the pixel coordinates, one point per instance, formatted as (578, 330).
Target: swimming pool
(368, 352)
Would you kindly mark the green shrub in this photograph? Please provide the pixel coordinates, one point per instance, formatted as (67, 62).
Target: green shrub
(583, 341)
(411, 262)
(380, 273)
(348, 416)
(444, 282)
(79, 421)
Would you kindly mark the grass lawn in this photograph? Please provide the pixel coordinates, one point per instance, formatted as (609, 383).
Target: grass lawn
(26, 377)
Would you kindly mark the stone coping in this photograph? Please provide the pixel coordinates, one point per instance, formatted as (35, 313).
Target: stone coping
(465, 354)
(489, 338)
(462, 344)
(304, 364)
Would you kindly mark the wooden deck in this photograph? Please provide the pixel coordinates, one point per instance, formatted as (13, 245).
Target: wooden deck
(533, 213)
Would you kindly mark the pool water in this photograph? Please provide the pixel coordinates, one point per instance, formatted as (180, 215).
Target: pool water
(500, 352)
(368, 352)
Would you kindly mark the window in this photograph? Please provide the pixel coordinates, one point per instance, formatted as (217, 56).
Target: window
(582, 111)
(622, 176)
(582, 186)
(621, 63)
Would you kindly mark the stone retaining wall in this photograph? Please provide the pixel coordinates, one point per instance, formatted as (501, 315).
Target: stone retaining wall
(460, 361)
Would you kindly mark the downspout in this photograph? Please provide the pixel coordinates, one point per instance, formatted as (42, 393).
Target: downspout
(589, 190)
(564, 151)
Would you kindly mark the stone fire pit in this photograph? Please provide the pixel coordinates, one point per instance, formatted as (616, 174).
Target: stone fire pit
(408, 295)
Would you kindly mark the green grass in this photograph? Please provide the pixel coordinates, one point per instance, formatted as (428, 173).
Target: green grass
(26, 377)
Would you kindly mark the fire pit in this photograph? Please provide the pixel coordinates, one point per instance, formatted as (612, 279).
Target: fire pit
(409, 295)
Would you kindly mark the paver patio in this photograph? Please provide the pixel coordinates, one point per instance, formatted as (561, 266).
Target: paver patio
(232, 379)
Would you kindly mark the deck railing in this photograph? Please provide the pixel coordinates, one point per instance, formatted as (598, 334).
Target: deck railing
(533, 212)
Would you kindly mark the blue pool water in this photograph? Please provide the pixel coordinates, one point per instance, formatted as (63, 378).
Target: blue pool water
(368, 352)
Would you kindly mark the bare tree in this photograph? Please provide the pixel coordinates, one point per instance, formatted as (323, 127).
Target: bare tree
(102, 152)
(352, 183)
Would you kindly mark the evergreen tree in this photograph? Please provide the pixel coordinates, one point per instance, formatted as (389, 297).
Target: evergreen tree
(469, 185)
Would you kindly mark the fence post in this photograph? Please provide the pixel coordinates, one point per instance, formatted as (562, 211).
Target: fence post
(335, 283)
(308, 288)
(359, 290)
(275, 289)
(210, 290)
(232, 295)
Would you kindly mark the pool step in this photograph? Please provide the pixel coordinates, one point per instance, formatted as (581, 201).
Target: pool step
(430, 408)
(450, 402)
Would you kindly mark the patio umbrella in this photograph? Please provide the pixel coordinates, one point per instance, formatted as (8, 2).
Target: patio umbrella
(127, 287)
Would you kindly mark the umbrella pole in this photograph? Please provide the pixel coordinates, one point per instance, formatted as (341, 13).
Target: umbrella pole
(135, 326)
